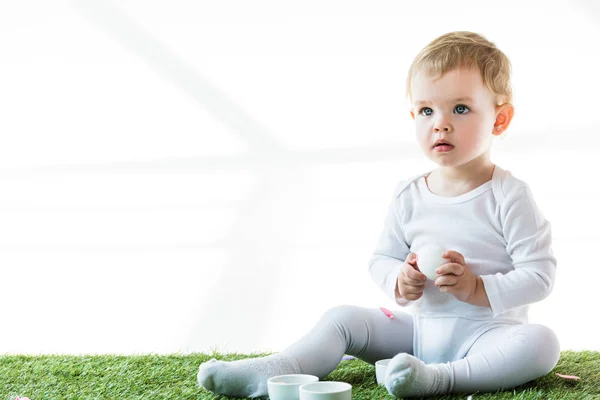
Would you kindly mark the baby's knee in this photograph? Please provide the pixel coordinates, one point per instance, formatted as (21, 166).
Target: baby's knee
(544, 346)
(345, 319)
(341, 314)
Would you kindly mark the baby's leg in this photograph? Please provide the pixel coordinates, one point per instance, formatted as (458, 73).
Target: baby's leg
(365, 333)
(506, 357)
(501, 358)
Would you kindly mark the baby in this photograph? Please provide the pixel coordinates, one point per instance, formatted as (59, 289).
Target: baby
(468, 331)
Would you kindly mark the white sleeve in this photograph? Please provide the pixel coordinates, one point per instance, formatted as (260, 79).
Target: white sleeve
(529, 240)
(389, 255)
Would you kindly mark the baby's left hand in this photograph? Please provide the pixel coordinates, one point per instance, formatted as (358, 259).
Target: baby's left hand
(457, 279)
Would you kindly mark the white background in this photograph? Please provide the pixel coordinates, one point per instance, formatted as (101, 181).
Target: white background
(194, 176)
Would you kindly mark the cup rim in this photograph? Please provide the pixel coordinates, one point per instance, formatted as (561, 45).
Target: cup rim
(383, 362)
(312, 378)
(344, 387)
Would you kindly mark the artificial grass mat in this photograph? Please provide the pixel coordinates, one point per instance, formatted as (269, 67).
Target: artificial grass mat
(174, 377)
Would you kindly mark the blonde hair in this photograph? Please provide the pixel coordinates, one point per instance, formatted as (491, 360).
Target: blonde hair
(465, 50)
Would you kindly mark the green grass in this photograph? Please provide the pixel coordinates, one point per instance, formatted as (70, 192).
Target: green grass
(174, 377)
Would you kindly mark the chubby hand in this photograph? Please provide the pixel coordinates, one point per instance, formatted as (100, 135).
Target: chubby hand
(456, 278)
(411, 281)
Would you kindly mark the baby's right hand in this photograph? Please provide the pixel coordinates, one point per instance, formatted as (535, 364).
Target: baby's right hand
(411, 281)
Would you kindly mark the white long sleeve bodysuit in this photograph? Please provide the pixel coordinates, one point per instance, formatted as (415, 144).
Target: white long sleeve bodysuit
(504, 238)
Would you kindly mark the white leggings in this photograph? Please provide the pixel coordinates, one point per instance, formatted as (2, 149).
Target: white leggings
(501, 358)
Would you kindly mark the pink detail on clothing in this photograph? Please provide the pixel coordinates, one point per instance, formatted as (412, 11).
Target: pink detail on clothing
(387, 312)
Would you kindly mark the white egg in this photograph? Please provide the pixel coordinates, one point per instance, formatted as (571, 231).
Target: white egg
(429, 258)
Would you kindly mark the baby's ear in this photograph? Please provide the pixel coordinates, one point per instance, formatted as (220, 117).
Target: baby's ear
(412, 113)
(504, 114)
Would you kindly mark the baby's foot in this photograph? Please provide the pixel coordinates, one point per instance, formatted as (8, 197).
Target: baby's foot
(408, 376)
(244, 378)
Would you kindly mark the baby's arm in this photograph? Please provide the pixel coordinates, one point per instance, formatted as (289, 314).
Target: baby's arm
(389, 255)
(529, 241)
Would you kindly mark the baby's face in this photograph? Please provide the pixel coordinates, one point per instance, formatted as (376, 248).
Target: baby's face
(456, 108)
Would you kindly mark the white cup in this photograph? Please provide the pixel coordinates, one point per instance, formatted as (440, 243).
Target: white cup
(326, 391)
(285, 387)
(380, 369)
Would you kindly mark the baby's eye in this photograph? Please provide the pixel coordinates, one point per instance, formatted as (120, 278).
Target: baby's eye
(460, 109)
(426, 111)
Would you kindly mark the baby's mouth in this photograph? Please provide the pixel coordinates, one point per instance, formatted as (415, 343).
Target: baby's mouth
(442, 146)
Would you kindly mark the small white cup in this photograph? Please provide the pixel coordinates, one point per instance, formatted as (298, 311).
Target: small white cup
(380, 368)
(285, 387)
(326, 391)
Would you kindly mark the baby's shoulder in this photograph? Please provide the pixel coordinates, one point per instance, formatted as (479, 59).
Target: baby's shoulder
(404, 185)
(507, 187)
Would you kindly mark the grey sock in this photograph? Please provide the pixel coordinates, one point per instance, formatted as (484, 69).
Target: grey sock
(408, 376)
(245, 378)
